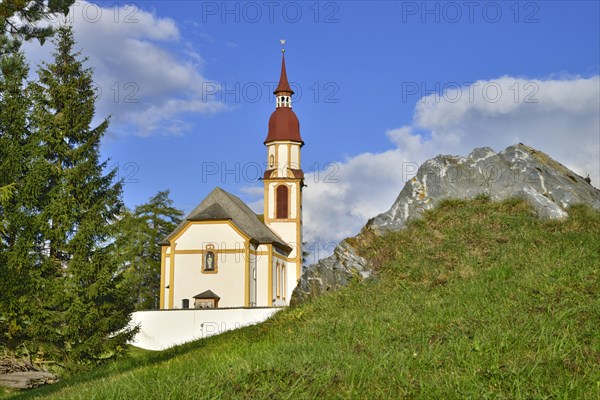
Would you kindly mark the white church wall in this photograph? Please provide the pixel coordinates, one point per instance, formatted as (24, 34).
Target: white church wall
(262, 283)
(287, 231)
(291, 280)
(282, 158)
(271, 152)
(273, 291)
(196, 235)
(295, 154)
(227, 282)
(280, 293)
(160, 330)
(271, 200)
(229, 278)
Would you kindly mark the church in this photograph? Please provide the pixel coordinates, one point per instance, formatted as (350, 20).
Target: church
(225, 255)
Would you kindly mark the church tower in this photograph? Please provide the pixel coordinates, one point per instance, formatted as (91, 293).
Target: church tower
(284, 178)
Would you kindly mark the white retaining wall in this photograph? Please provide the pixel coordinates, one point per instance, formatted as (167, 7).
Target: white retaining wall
(162, 329)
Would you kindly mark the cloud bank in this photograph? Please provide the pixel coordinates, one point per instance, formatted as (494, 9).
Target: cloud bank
(558, 117)
(146, 75)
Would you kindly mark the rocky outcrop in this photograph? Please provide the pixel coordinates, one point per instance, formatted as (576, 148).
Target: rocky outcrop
(331, 273)
(517, 171)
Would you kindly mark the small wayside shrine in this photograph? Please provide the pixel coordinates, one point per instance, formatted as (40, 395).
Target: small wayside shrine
(225, 255)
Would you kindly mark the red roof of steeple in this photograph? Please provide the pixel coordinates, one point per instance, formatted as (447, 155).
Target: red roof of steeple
(284, 125)
(283, 85)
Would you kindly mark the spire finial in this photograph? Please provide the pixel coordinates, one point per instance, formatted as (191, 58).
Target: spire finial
(283, 86)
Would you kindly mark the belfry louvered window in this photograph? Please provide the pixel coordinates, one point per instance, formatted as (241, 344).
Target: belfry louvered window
(282, 202)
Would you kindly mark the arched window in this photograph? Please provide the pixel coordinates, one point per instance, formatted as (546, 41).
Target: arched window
(271, 161)
(278, 279)
(282, 202)
(283, 281)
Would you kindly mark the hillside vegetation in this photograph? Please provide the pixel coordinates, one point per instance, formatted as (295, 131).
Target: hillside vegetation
(477, 300)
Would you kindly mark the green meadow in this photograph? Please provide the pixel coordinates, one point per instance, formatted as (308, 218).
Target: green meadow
(477, 300)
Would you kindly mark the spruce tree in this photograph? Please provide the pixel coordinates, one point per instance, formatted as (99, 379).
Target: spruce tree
(29, 13)
(17, 219)
(86, 301)
(139, 236)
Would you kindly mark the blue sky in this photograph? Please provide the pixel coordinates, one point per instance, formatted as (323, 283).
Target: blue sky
(505, 72)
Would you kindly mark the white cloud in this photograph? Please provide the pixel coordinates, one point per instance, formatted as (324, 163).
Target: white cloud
(144, 84)
(558, 117)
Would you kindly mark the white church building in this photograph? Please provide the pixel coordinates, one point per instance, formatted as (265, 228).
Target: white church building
(223, 254)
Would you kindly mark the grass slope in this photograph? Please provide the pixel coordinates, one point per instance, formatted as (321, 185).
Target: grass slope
(477, 300)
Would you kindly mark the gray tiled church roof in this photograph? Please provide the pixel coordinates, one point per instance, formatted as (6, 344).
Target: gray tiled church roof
(221, 205)
(211, 213)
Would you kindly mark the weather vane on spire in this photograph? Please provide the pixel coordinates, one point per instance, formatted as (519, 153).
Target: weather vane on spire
(282, 41)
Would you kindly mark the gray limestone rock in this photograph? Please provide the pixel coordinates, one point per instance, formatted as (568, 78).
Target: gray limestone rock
(331, 273)
(517, 171)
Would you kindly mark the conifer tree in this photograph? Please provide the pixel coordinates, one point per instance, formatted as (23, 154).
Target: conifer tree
(20, 18)
(139, 236)
(86, 303)
(17, 224)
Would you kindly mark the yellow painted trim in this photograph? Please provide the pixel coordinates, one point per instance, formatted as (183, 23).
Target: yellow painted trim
(266, 208)
(274, 142)
(288, 180)
(284, 288)
(172, 278)
(270, 207)
(281, 257)
(199, 252)
(163, 263)
(247, 278)
(278, 278)
(299, 230)
(227, 251)
(270, 277)
(283, 220)
(259, 253)
(277, 158)
(231, 251)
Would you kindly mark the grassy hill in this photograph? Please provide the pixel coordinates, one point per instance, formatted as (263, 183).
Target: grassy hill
(477, 300)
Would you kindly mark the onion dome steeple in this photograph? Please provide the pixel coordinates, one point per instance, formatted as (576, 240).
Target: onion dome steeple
(283, 124)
